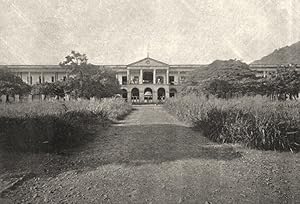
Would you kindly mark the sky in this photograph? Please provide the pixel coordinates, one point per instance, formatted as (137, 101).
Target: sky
(122, 32)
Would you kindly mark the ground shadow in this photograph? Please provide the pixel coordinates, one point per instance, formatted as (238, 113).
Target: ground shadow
(138, 145)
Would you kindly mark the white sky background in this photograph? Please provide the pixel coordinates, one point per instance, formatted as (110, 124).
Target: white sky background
(119, 32)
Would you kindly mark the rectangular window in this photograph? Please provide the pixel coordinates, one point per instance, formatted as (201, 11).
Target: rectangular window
(40, 79)
(52, 79)
(182, 79)
(171, 80)
(124, 80)
(135, 79)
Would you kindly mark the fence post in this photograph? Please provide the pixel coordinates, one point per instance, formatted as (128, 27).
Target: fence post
(43, 97)
(67, 97)
(17, 98)
(3, 98)
(29, 98)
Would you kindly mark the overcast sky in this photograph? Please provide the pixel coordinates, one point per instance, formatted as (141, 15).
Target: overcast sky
(121, 32)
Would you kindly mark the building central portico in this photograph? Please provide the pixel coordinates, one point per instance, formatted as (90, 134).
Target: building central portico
(149, 81)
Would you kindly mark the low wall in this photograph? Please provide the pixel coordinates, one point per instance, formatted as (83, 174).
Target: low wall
(30, 98)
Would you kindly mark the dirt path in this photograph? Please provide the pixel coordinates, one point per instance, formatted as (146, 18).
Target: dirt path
(150, 157)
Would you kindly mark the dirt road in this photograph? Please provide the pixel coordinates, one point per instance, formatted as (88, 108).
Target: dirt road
(150, 157)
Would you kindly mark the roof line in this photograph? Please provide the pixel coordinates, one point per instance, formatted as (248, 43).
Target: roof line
(147, 58)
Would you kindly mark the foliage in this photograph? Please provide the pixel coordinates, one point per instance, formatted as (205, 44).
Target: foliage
(220, 78)
(51, 126)
(49, 89)
(77, 66)
(283, 84)
(11, 84)
(87, 80)
(225, 79)
(256, 122)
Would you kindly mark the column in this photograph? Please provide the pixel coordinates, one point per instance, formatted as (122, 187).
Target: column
(128, 75)
(178, 78)
(167, 93)
(154, 76)
(141, 77)
(154, 95)
(141, 96)
(117, 77)
(264, 73)
(42, 77)
(29, 78)
(129, 96)
(167, 76)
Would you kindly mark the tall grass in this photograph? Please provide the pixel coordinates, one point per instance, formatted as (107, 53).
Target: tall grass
(255, 122)
(53, 125)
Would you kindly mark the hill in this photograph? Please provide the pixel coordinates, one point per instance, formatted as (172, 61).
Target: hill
(286, 55)
(221, 69)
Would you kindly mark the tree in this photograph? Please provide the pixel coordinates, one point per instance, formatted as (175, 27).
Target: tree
(105, 83)
(283, 84)
(220, 78)
(11, 84)
(219, 88)
(77, 66)
(78, 70)
(88, 80)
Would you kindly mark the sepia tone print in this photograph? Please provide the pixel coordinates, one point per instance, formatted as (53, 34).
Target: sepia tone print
(149, 101)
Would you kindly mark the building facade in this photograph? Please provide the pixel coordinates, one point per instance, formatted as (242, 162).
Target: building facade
(145, 81)
(150, 80)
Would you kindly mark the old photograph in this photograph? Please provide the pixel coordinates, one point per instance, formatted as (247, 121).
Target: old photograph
(149, 101)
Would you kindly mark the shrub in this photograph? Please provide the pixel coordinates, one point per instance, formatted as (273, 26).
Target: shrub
(255, 122)
(51, 126)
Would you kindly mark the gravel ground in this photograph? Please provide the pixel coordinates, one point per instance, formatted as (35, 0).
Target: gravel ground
(150, 157)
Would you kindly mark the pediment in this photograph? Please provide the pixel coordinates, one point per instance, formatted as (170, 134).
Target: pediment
(148, 62)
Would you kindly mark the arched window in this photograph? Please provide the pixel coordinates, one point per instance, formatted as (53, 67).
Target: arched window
(161, 94)
(148, 96)
(135, 95)
(173, 92)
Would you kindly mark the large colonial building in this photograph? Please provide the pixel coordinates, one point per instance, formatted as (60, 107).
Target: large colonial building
(145, 81)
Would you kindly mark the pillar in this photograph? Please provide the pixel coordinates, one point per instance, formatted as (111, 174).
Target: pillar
(167, 76)
(129, 96)
(141, 77)
(154, 95)
(264, 73)
(42, 76)
(128, 75)
(178, 78)
(29, 78)
(154, 76)
(167, 93)
(142, 96)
